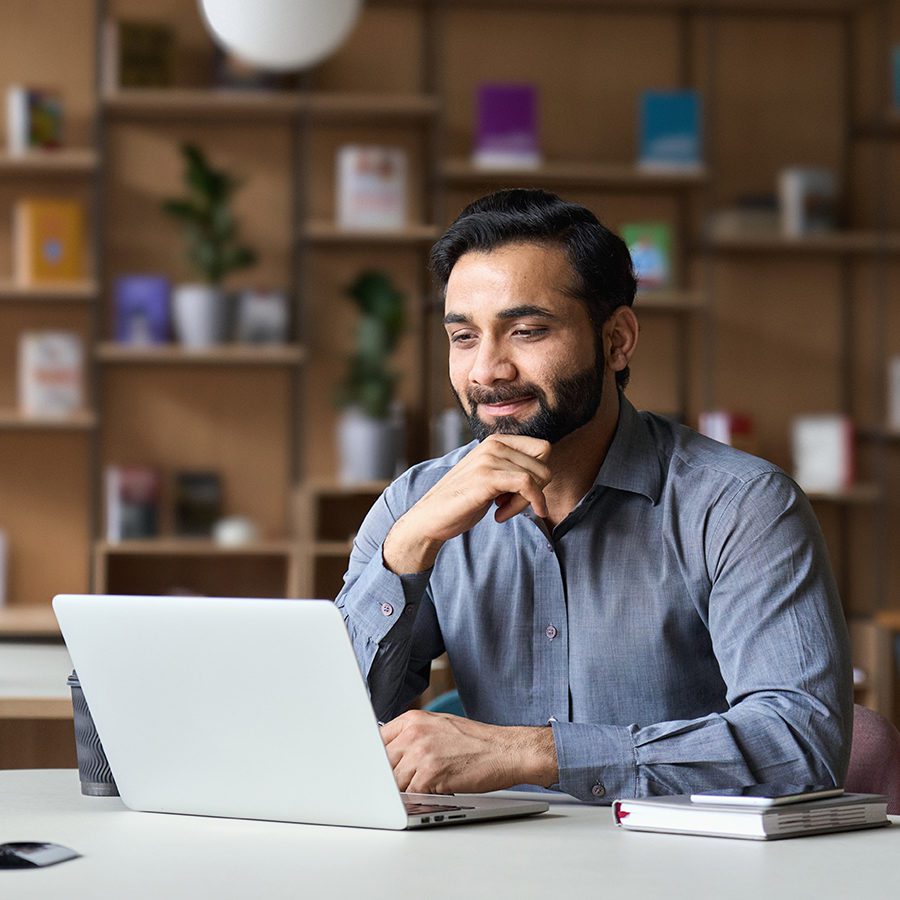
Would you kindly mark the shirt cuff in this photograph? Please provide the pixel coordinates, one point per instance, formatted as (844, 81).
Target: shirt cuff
(382, 603)
(596, 762)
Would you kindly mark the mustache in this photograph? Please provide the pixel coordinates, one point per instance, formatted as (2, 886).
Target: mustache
(503, 393)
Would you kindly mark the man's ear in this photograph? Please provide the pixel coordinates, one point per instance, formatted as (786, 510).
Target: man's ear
(620, 337)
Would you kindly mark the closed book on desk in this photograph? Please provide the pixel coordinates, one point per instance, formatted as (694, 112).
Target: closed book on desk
(678, 815)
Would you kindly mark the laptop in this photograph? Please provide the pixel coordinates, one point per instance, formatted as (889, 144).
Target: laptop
(243, 708)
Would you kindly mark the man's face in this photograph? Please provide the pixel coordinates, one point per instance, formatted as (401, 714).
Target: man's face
(524, 355)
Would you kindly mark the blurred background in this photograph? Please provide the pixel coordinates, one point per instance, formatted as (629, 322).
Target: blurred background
(218, 340)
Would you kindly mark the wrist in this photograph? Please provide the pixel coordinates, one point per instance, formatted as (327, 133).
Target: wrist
(538, 763)
(407, 550)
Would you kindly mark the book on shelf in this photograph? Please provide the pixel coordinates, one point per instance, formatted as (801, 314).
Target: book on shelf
(48, 241)
(678, 815)
(371, 187)
(650, 246)
(506, 133)
(142, 309)
(262, 317)
(732, 428)
(198, 503)
(132, 503)
(893, 394)
(4, 567)
(751, 214)
(670, 131)
(137, 54)
(822, 450)
(51, 374)
(807, 200)
(34, 119)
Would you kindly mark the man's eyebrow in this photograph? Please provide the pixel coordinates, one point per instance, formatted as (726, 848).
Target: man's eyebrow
(512, 312)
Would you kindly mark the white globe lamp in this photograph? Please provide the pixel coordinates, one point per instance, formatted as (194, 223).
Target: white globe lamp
(280, 35)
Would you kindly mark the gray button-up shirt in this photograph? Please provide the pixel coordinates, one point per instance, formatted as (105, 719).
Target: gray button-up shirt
(679, 630)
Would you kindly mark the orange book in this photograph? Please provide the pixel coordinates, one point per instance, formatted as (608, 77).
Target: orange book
(49, 241)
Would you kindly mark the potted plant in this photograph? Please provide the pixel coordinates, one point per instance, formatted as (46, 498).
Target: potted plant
(214, 249)
(369, 438)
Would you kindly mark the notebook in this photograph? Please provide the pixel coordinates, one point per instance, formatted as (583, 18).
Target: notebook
(243, 708)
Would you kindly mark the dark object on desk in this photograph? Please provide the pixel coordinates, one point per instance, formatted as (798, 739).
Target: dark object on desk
(198, 503)
(33, 855)
(875, 757)
(93, 767)
(678, 815)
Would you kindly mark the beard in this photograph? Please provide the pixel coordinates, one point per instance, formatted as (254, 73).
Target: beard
(576, 401)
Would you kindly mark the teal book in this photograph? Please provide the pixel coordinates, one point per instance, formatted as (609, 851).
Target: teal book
(670, 130)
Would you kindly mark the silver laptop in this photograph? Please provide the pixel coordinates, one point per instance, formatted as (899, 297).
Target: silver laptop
(243, 708)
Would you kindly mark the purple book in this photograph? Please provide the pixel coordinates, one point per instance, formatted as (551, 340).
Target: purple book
(507, 134)
(142, 309)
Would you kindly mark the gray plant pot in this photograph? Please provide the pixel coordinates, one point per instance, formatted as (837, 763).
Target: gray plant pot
(199, 315)
(367, 447)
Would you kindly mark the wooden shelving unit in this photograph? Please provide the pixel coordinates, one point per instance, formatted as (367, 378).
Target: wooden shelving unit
(319, 232)
(73, 292)
(848, 243)
(201, 103)
(28, 620)
(71, 161)
(221, 355)
(859, 495)
(669, 301)
(14, 420)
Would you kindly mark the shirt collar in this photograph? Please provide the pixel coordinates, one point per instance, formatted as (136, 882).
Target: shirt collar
(632, 462)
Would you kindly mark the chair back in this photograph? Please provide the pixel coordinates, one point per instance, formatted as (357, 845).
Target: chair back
(874, 757)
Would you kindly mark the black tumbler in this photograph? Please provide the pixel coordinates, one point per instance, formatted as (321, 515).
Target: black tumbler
(93, 768)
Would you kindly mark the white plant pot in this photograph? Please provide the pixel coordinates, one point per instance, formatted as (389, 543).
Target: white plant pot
(367, 447)
(200, 315)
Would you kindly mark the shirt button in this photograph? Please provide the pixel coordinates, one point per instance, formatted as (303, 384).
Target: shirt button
(598, 790)
(387, 609)
(552, 719)
(550, 546)
(551, 632)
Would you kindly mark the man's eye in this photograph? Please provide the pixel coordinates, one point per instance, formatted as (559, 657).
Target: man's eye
(461, 337)
(530, 332)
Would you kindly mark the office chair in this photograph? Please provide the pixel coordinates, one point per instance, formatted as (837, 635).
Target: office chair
(874, 757)
(448, 702)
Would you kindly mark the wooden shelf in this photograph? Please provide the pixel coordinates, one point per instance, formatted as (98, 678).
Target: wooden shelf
(331, 548)
(888, 619)
(669, 301)
(748, 7)
(840, 243)
(64, 162)
(226, 105)
(222, 355)
(330, 488)
(13, 420)
(610, 176)
(64, 292)
(878, 434)
(858, 495)
(28, 621)
(330, 233)
(194, 547)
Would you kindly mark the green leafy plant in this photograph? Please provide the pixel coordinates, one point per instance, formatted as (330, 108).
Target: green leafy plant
(370, 384)
(211, 230)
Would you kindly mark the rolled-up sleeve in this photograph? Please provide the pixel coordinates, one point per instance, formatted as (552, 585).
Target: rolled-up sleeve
(779, 636)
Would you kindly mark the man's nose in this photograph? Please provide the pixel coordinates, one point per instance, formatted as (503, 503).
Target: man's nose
(491, 364)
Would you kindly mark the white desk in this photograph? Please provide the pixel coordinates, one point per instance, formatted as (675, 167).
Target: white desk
(572, 851)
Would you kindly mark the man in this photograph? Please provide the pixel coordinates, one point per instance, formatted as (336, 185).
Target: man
(646, 611)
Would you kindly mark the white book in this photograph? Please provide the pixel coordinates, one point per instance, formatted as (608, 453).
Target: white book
(893, 393)
(807, 199)
(678, 815)
(4, 567)
(51, 374)
(822, 447)
(371, 187)
(17, 119)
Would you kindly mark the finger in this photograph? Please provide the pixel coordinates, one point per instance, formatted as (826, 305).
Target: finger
(392, 729)
(533, 447)
(540, 470)
(525, 492)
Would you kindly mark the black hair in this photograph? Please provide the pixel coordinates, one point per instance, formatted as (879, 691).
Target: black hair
(604, 276)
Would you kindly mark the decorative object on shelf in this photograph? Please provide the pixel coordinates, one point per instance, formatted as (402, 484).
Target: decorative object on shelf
(198, 503)
(235, 531)
(49, 241)
(4, 567)
(142, 309)
(506, 135)
(132, 503)
(822, 448)
(280, 34)
(214, 249)
(137, 55)
(670, 131)
(650, 245)
(371, 187)
(449, 430)
(807, 197)
(262, 317)
(751, 214)
(732, 428)
(893, 394)
(34, 119)
(51, 374)
(368, 441)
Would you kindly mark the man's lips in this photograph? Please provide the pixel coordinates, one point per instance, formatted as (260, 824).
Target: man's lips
(507, 407)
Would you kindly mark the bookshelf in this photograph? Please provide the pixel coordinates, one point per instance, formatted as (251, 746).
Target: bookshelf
(734, 331)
